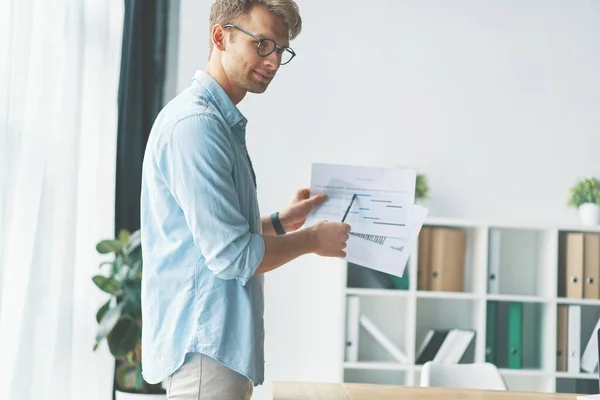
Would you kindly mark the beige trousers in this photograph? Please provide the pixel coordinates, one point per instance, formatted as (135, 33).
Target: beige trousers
(203, 378)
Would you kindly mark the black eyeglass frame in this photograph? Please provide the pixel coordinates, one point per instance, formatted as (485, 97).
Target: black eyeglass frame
(279, 49)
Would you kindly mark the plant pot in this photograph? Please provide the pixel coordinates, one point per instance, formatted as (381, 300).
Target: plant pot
(589, 213)
(139, 396)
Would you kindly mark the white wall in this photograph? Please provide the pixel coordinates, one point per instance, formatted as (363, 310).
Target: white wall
(497, 102)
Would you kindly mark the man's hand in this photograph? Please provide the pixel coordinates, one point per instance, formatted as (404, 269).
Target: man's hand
(293, 217)
(329, 238)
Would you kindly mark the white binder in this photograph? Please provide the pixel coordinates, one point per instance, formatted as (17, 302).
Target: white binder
(574, 340)
(494, 265)
(589, 360)
(352, 327)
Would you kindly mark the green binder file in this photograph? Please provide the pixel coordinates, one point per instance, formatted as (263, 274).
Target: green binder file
(401, 283)
(515, 335)
(490, 333)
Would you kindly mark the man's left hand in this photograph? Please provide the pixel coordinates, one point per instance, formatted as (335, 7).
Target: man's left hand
(293, 217)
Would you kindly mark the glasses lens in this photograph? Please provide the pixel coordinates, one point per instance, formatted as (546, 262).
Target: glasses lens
(286, 56)
(266, 47)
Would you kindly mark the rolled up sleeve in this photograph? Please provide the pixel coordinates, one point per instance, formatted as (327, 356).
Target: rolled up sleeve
(197, 166)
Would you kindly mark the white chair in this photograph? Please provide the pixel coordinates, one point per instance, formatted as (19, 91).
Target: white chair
(483, 376)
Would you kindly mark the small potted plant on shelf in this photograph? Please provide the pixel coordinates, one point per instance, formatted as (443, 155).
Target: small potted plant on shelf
(585, 196)
(421, 188)
(120, 318)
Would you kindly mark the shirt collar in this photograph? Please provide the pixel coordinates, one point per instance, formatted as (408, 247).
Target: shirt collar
(232, 115)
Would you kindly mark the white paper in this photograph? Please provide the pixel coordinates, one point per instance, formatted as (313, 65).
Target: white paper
(384, 240)
(383, 203)
(391, 254)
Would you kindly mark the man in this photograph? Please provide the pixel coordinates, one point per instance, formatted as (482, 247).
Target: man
(205, 245)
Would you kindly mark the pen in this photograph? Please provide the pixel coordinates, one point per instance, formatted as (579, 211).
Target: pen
(349, 206)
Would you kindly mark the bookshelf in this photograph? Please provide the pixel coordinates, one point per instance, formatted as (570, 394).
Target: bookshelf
(504, 263)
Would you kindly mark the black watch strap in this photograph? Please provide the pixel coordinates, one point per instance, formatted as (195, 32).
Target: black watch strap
(277, 224)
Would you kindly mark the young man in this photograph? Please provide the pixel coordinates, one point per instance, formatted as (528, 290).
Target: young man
(205, 245)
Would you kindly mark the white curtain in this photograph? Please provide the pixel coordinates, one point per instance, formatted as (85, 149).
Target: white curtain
(59, 72)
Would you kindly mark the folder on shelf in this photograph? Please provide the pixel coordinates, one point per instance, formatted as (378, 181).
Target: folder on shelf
(515, 335)
(423, 258)
(574, 265)
(591, 266)
(448, 252)
(383, 340)
(400, 283)
(561, 338)
(589, 359)
(444, 346)
(501, 348)
(359, 277)
(454, 347)
(430, 345)
(494, 262)
(574, 340)
(352, 327)
(490, 332)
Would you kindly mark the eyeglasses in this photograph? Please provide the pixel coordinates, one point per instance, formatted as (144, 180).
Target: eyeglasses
(267, 46)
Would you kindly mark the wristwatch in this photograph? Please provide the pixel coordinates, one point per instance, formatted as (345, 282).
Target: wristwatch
(277, 224)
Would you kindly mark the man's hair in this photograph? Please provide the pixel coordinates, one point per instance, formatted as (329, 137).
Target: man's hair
(230, 11)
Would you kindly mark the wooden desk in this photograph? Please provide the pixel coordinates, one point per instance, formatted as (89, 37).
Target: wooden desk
(356, 391)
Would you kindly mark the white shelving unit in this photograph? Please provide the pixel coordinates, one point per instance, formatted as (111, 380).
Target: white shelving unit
(528, 273)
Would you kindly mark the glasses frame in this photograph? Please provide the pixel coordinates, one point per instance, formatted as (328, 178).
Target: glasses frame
(279, 49)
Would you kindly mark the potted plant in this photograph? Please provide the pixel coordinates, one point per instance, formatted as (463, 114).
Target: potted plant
(421, 188)
(585, 196)
(120, 318)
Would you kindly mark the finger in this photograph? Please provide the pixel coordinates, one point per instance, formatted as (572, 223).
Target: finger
(304, 193)
(342, 254)
(344, 245)
(316, 199)
(347, 228)
(346, 237)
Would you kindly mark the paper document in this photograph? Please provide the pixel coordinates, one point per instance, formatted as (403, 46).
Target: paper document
(385, 223)
(384, 197)
(391, 255)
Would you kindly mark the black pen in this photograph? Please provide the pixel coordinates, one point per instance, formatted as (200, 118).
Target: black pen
(349, 206)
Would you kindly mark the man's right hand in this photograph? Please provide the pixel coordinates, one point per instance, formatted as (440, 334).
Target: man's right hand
(329, 238)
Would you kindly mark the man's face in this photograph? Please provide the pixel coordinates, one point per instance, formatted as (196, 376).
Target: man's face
(244, 67)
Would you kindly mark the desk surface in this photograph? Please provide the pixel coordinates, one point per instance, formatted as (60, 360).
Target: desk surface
(356, 391)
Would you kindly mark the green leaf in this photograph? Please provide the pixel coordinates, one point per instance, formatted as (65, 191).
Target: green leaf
(133, 255)
(108, 285)
(109, 246)
(124, 337)
(124, 238)
(105, 263)
(135, 239)
(586, 190)
(133, 295)
(102, 311)
(108, 321)
(136, 270)
(122, 273)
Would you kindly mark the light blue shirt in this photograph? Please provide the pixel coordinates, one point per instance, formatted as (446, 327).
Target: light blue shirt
(201, 238)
